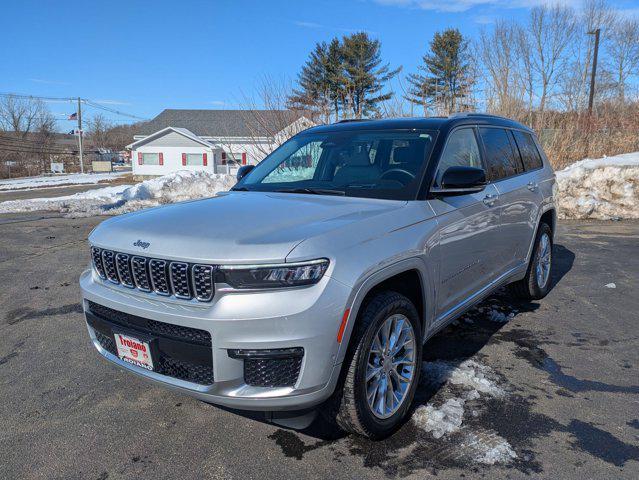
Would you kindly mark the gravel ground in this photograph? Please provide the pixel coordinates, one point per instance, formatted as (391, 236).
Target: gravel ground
(567, 367)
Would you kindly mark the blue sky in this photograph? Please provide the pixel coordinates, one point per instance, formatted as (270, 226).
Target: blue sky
(142, 56)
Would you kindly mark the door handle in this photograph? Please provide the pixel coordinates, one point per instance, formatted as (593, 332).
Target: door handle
(532, 186)
(489, 200)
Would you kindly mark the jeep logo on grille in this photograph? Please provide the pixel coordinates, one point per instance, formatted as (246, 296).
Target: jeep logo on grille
(142, 244)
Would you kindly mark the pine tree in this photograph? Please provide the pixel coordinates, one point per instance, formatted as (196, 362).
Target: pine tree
(314, 92)
(445, 79)
(364, 75)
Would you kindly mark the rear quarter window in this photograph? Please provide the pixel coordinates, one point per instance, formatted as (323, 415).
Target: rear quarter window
(528, 150)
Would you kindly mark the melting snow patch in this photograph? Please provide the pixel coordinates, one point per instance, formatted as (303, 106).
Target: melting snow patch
(439, 421)
(488, 448)
(475, 379)
(468, 373)
(175, 187)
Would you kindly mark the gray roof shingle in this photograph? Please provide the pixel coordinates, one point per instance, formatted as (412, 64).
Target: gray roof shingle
(223, 123)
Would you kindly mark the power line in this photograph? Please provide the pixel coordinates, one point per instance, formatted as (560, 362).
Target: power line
(112, 110)
(86, 101)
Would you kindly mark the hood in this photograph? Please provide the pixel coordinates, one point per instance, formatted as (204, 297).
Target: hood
(234, 227)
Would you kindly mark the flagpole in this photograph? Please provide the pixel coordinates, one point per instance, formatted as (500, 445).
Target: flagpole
(80, 134)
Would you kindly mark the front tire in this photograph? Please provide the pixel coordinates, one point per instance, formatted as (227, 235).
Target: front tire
(536, 284)
(381, 371)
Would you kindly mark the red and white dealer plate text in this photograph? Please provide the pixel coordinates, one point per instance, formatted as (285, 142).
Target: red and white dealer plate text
(134, 351)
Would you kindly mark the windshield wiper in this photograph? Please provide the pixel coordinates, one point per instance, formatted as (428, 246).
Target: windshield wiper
(239, 189)
(311, 191)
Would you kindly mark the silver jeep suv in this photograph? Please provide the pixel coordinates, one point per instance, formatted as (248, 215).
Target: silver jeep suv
(318, 278)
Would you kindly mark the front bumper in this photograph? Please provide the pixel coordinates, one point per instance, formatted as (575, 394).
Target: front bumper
(306, 318)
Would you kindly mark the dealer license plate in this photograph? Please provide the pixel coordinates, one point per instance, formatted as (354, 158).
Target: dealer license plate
(134, 351)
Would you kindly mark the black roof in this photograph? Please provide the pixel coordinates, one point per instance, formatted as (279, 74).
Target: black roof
(223, 123)
(421, 123)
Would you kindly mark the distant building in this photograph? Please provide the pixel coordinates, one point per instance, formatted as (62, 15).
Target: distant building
(217, 141)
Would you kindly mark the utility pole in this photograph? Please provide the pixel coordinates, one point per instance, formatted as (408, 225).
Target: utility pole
(80, 133)
(591, 97)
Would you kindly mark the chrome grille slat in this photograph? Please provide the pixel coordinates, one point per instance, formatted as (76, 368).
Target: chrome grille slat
(179, 275)
(203, 286)
(108, 261)
(141, 273)
(159, 278)
(182, 280)
(123, 268)
(96, 258)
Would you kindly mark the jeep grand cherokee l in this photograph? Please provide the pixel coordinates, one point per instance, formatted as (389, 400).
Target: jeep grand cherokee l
(318, 278)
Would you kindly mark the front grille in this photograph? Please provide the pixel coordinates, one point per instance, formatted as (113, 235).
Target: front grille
(179, 279)
(181, 352)
(152, 327)
(272, 372)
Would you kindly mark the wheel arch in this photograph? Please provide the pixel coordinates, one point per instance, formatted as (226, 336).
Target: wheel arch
(408, 277)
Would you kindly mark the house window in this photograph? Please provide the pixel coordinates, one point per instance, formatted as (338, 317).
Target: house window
(150, 158)
(194, 159)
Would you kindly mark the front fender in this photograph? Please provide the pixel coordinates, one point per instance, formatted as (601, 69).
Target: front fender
(367, 283)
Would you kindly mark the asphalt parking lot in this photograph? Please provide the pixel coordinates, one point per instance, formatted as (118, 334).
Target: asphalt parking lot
(569, 367)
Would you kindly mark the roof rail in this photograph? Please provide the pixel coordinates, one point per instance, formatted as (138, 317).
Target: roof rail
(475, 114)
(347, 120)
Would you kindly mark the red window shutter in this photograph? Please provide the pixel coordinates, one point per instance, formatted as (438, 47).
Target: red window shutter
(161, 158)
(204, 159)
(139, 158)
(244, 159)
(184, 159)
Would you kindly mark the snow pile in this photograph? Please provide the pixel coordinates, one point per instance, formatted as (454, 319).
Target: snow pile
(175, 187)
(29, 183)
(601, 188)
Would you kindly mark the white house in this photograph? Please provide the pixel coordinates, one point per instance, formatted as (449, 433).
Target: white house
(217, 141)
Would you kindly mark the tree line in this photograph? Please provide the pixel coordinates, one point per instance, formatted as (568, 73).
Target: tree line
(542, 63)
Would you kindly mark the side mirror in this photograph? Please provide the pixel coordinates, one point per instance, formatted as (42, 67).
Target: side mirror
(243, 171)
(461, 181)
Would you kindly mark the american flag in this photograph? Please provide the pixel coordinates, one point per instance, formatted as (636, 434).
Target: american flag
(73, 116)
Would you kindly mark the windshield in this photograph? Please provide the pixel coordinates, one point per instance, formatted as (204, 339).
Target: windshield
(379, 164)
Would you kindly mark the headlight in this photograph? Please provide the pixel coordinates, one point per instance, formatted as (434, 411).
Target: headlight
(272, 276)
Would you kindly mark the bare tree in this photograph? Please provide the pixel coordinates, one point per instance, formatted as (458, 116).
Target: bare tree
(268, 120)
(498, 53)
(623, 55)
(32, 127)
(550, 31)
(22, 115)
(99, 131)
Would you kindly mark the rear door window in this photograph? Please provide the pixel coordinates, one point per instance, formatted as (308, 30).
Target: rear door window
(501, 159)
(528, 150)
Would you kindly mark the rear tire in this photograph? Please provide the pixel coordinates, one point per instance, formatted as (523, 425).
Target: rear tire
(352, 407)
(537, 282)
